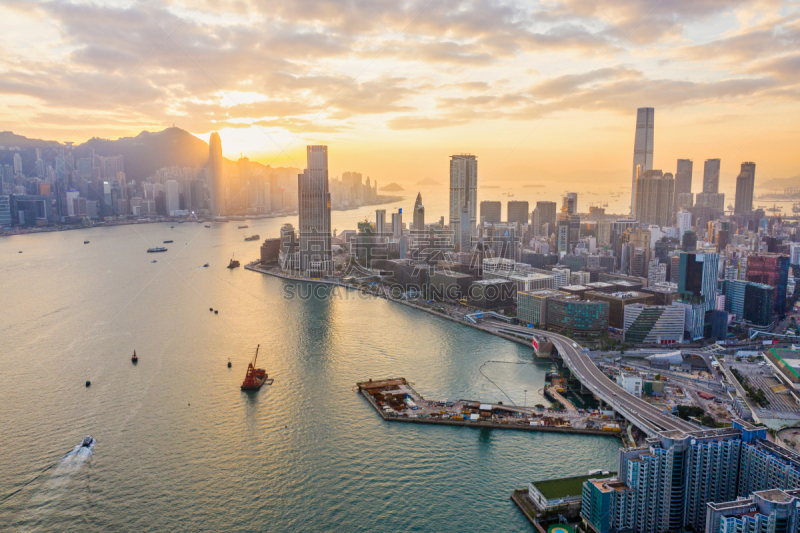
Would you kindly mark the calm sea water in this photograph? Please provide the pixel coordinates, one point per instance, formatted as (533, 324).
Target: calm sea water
(181, 448)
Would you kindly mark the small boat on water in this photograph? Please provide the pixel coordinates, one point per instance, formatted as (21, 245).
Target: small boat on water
(85, 242)
(172, 227)
(233, 264)
(167, 242)
(255, 377)
(243, 227)
(134, 358)
(156, 250)
(205, 266)
(154, 261)
(252, 238)
(207, 226)
(88, 442)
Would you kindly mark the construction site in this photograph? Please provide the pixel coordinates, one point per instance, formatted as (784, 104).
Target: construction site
(395, 400)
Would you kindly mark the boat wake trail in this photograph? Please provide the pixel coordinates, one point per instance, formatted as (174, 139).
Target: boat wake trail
(66, 474)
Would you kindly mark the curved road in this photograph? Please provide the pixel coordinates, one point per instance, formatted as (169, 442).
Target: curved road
(648, 418)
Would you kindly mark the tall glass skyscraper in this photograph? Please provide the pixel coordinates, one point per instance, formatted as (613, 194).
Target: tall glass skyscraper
(642, 147)
(463, 194)
(215, 174)
(314, 201)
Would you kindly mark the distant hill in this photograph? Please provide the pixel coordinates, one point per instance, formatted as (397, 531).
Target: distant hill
(427, 181)
(781, 183)
(392, 187)
(142, 155)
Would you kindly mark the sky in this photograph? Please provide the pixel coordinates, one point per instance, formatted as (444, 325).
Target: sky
(540, 91)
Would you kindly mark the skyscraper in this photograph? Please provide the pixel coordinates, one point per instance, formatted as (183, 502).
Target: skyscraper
(683, 182)
(544, 213)
(419, 215)
(215, 174)
(642, 147)
(654, 198)
(517, 211)
(711, 176)
(380, 222)
(173, 196)
(314, 202)
(773, 270)
(745, 183)
(490, 212)
(463, 192)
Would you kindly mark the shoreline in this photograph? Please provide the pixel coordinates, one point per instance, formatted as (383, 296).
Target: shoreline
(27, 230)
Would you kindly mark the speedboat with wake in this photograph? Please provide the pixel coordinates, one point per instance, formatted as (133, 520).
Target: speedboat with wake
(88, 442)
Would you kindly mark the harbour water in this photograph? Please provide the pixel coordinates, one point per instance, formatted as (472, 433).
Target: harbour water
(181, 448)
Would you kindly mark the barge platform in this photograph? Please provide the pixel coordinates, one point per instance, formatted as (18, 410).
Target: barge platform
(396, 401)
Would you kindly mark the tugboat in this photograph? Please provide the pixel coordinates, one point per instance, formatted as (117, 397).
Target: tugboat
(234, 263)
(252, 238)
(134, 358)
(255, 377)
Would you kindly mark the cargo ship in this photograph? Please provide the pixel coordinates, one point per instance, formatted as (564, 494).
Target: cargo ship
(255, 377)
(252, 238)
(156, 250)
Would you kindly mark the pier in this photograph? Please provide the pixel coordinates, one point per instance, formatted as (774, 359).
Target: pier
(396, 401)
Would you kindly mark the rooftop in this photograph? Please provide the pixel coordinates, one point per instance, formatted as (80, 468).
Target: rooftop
(564, 487)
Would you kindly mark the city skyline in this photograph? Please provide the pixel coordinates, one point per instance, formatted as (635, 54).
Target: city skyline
(403, 81)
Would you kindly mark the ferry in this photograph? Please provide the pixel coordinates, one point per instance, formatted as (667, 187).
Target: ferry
(156, 250)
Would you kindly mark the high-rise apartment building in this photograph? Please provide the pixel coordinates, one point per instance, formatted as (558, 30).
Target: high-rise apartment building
(463, 193)
(517, 211)
(490, 212)
(314, 209)
(711, 176)
(544, 213)
(380, 222)
(745, 184)
(687, 481)
(419, 215)
(654, 198)
(683, 183)
(216, 183)
(642, 147)
(173, 196)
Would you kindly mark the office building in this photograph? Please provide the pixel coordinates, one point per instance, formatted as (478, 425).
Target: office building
(653, 324)
(617, 302)
(173, 196)
(683, 183)
(5, 210)
(581, 317)
(760, 308)
(770, 269)
(215, 177)
(491, 294)
(689, 241)
(745, 183)
(314, 207)
(711, 176)
(697, 279)
(569, 203)
(642, 147)
(419, 215)
(490, 212)
(686, 481)
(517, 212)
(654, 198)
(397, 224)
(463, 194)
(532, 305)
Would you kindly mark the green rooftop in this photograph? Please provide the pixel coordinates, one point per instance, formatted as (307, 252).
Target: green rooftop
(564, 487)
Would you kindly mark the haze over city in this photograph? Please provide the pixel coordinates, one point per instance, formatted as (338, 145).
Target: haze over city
(540, 91)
